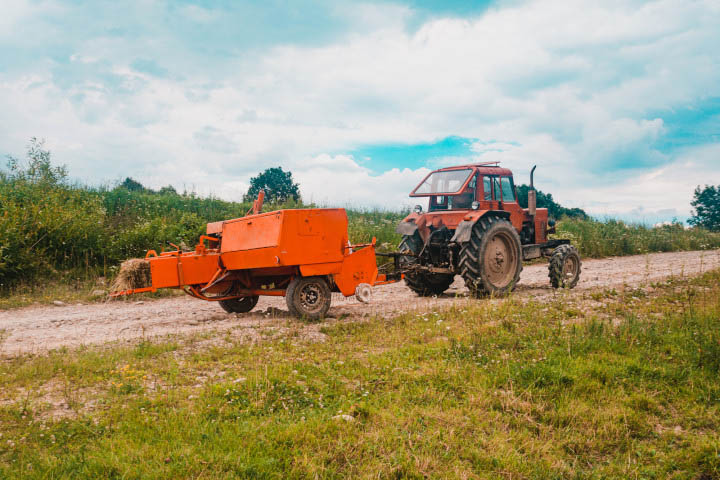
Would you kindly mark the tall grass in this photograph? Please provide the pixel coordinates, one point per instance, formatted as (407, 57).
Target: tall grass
(615, 237)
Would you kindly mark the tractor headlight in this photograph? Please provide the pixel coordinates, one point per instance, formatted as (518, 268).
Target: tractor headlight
(417, 209)
(475, 205)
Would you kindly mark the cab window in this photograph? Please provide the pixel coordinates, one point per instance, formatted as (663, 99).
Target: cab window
(466, 198)
(438, 202)
(508, 192)
(496, 188)
(487, 189)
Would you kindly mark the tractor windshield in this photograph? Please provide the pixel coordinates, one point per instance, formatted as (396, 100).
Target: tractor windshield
(447, 182)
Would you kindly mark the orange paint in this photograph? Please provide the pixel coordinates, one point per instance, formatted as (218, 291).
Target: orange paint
(259, 254)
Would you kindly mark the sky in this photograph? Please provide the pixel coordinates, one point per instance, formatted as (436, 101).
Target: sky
(616, 102)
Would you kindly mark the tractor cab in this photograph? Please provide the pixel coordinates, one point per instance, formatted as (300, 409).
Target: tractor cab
(470, 187)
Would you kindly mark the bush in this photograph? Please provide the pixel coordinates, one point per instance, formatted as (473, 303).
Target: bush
(615, 237)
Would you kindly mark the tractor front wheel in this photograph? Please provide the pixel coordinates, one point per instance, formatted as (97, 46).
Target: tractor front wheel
(308, 297)
(491, 261)
(564, 267)
(239, 305)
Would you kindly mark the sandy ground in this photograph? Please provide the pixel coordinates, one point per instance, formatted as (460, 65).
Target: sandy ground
(41, 328)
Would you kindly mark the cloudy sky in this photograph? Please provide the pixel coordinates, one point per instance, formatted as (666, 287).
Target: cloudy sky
(617, 102)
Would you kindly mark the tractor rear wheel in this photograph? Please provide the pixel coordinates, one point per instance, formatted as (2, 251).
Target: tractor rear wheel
(491, 261)
(424, 284)
(564, 267)
(239, 305)
(308, 297)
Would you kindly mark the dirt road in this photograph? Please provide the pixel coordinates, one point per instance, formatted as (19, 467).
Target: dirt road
(41, 328)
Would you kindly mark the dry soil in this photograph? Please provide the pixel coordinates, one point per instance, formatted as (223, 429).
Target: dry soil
(38, 329)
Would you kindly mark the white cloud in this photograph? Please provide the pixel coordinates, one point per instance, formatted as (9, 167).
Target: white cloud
(574, 87)
(660, 193)
(339, 180)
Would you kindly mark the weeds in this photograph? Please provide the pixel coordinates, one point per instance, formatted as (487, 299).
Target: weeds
(616, 238)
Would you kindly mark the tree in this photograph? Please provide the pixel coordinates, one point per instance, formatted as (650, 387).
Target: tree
(277, 184)
(169, 190)
(38, 169)
(132, 185)
(706, 202)
(545, 200)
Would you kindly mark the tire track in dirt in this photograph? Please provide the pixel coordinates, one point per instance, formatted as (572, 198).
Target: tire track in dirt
(38, 329)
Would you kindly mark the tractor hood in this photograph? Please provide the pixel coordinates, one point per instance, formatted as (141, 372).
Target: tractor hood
(424, 222)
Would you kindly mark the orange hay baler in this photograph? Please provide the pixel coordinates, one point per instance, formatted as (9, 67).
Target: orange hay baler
(301, 254)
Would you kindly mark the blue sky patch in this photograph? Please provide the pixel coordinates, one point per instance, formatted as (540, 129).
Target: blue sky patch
(383, 157)
(695, 124)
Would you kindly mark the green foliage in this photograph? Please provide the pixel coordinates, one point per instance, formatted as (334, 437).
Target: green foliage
(545, 200)
(132, 185)
(363, 225)
(706, 202)
(615, 237)
(277, 184)
(49, 226)
(45, 223)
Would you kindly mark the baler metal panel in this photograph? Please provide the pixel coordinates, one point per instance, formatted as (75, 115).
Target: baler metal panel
(257, 231)
(288, 237)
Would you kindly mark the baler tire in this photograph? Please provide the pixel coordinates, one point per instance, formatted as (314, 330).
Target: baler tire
(239, 305)
(564, 267)
(474, 264)
(308, 297)
(424, 284)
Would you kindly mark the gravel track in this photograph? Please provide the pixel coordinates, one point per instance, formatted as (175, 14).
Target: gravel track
(38, 329)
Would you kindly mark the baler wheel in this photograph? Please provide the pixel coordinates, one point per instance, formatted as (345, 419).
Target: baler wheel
(424, 284)
(308, 297)
(491, 261)
(239, 305)
(564, 267)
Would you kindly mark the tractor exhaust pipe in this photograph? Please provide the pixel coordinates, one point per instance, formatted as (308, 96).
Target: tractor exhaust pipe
(532, 195)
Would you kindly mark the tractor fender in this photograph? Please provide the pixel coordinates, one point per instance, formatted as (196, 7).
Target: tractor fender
(464, 228)
(406, 228)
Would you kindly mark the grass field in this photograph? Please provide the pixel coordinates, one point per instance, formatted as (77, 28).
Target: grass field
(615, 384)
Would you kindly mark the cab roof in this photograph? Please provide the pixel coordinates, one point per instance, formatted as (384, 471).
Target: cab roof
(486, 168)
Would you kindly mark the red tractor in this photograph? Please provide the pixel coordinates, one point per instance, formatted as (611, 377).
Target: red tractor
(475, 227)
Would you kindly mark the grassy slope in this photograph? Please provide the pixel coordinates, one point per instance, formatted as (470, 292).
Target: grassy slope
(626, 388)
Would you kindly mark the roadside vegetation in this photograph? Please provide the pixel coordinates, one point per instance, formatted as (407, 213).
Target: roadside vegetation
(620, 384)
(63, 241)
(616, 238)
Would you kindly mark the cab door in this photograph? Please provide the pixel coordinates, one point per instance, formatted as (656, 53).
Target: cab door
(491, 195)
(499, 194)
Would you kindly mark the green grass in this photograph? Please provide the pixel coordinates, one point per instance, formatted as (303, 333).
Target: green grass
(627, 387)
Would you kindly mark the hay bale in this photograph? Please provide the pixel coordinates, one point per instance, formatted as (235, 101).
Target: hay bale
(134, 273)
